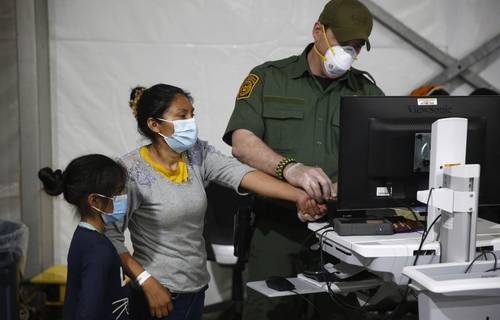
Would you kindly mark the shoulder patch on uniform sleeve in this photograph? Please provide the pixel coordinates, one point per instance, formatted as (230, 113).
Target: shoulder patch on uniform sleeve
(247, 86)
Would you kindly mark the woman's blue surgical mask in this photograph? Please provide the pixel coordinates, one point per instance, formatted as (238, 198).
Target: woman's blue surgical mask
(184, 136)
(120, 206)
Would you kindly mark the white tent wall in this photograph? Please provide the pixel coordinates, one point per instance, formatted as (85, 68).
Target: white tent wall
(102, 49)
(9, 120)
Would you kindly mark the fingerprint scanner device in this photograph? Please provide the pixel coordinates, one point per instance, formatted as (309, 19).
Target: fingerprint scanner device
(350, 221)
(362, 226)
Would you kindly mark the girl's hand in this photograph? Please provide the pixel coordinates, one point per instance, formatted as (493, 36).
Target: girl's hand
(303, 217)
(159, 298)
(308, 209)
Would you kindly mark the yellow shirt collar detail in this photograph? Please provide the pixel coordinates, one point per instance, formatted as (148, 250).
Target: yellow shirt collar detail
(178, 176)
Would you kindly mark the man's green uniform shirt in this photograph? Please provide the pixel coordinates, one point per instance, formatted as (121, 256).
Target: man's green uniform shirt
(282, 103)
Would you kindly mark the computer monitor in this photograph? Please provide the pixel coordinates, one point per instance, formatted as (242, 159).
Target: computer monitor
(385, 147)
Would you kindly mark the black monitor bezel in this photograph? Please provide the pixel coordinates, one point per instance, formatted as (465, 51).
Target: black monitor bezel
(355, 110)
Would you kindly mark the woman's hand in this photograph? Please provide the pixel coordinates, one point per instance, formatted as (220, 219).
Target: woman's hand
(159, 298)
(308, 209)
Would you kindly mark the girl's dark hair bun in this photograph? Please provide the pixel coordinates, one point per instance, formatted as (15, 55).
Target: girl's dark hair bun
(52, 181)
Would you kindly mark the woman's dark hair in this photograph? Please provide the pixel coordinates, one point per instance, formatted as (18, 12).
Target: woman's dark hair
(93, 173)
(152, 103)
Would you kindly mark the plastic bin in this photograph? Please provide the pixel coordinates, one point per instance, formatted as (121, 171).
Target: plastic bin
(446, 292)
(13, 246)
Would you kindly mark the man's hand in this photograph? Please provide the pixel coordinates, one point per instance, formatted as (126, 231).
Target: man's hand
(313, 180)
(334, 191)
(159, 298)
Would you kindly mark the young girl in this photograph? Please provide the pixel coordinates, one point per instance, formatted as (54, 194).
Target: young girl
(95, 287)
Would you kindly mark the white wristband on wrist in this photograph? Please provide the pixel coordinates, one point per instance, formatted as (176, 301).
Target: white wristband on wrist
(142, 277)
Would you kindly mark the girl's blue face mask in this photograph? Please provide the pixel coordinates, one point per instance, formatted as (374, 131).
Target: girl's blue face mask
(120, 206)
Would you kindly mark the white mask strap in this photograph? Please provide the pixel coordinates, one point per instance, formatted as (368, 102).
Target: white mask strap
(164, 120)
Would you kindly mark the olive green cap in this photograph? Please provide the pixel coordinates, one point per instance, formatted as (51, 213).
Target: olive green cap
(348, 20)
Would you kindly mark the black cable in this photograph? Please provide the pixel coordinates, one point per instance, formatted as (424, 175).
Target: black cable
(321, 251)
(422, 240)
(303, 244)
(407, 290)
(479, 256)
(328, 282)
(424, 236)
(362, 309)
(427, 203)
(427, 229)
(494, 269)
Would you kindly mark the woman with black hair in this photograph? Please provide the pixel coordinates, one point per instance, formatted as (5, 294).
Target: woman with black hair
(167, 204)
(95, 287)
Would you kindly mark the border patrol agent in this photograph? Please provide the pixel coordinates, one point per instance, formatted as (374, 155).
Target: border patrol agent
(286, 123)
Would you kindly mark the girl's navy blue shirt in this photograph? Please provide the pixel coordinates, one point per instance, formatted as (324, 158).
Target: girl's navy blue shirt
(96, 286)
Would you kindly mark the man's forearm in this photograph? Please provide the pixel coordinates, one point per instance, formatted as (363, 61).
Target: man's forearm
(250, 149)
